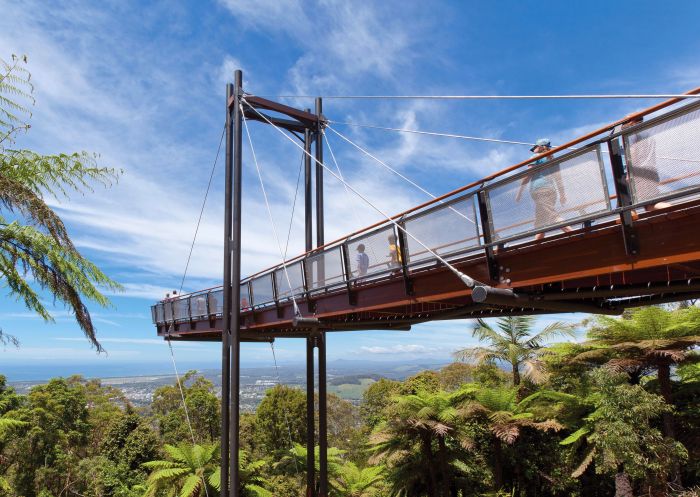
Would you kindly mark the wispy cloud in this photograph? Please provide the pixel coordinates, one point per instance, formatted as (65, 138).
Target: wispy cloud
(399, 349)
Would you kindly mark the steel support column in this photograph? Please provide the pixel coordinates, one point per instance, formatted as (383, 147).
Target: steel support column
(322, 417)
(310, 407)
(235, 287)
(321, 344)
(226, 333)
(310, 425)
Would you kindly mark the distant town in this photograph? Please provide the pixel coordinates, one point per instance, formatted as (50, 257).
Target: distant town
(348, 380)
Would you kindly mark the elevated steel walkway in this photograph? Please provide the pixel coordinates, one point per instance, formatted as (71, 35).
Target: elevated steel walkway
(628, 234)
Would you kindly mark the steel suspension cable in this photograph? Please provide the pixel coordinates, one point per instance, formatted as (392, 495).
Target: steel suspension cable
(294, 204)
(182, 283)
(467, 280)
(184, 404)
(297, 312)
(433, 133)
(345, 187)
(286, 419)
(387, 166)
(489, 97)
(201, 211)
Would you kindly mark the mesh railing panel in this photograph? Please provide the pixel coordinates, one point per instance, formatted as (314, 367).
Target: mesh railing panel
(665, 157)
(168, 311)
(296, 280)
(449, 229)
(198, 305)
(262, 290)
(180, 309)
(216, 302)
(160, 315)
(245, 298)
(324, 269)
(377, 246)
(540, 206)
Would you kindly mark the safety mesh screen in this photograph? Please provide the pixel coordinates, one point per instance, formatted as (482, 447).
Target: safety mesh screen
(378, 248)
(216, 302)
(262, 290)
(180, 309)
(540, 204)
(245, 298)
(448, 229)
(159, 314)
(168, 311)
(665, 157)
(198, 305)
(324, 269)
(296, 280)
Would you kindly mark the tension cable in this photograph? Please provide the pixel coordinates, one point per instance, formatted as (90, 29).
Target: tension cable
(467, 280)
(297, 312)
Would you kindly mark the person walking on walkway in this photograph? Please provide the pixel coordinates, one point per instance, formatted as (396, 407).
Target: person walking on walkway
(545, 185)
(641, 169)
(361, 261)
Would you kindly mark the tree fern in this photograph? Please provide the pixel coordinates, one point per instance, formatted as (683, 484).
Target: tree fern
(35, 248)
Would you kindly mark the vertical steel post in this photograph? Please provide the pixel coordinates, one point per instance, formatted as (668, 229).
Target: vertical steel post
(624, 197)
(403, 252)
(322, 417)
(310, 425)
(310, 408)
(319, 176)
(235, 300)
(322, 397)
(308, 208)
(226, 334)
(482, 199)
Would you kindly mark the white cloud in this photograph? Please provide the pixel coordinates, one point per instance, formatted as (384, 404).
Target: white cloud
(399, 349)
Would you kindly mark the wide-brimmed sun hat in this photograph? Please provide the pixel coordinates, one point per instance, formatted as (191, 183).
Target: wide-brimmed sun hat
(542, 142)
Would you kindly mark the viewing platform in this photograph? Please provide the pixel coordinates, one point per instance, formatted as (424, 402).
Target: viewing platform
(627, 234)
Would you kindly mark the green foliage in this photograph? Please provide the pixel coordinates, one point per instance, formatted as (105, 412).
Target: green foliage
(619, 433)
(463, 431)
(35, 248)
(187, 472)
(645, 339)
(420, 441)
(280, 416)
(513, 341)
(375, 399)
(202, 406)
(352, 481)
(425, 381)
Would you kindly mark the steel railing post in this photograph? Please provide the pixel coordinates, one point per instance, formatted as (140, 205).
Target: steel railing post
(624, 197)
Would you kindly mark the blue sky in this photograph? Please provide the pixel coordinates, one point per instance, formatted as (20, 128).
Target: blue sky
(142, 83)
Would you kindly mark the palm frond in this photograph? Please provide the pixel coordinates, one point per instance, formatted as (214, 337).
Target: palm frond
(191, 487)
(584, 464)
(576, 436)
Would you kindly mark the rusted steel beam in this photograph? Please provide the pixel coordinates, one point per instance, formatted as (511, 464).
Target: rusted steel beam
(287, 124)
(308, 119)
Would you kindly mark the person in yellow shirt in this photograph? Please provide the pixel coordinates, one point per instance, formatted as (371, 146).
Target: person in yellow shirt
(394, 253)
